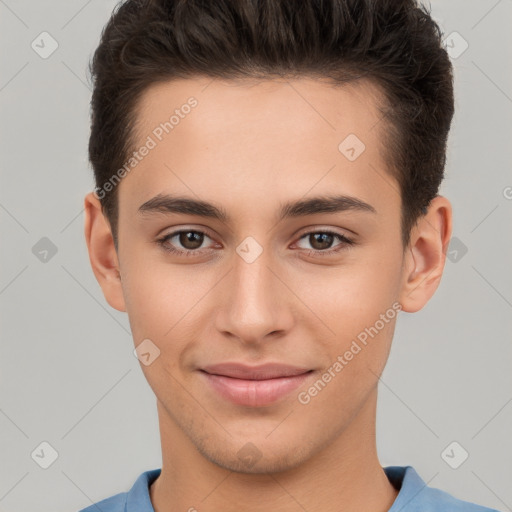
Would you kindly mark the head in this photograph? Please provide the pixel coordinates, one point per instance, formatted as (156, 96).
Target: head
(262, 113)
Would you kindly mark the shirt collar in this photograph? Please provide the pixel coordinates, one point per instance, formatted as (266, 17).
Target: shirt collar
(137, 499)
(404, 478)
(409, 483)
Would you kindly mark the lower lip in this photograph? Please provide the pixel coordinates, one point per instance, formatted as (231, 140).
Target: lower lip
(255, 393)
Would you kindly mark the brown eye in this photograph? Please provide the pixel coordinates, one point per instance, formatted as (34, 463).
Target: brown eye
(186, 242)
(321, 241)
(190, 239)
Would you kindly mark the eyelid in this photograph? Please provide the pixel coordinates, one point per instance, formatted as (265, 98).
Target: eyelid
(202, 231)
(174, 230)
(347, 233)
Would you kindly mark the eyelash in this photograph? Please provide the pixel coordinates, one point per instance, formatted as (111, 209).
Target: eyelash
(345, 243)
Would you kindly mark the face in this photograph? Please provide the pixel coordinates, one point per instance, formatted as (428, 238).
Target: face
(266, 326)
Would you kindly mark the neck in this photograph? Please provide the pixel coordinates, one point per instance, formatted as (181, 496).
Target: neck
(344, 476)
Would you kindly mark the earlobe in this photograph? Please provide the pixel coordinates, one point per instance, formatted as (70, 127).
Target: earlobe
(426, 256)
(102, 252)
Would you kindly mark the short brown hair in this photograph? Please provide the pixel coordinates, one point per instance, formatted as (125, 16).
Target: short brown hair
(393, 43)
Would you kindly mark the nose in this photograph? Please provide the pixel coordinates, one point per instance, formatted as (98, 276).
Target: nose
(256, 303)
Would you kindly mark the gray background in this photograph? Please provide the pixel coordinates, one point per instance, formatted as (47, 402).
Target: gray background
(68, 374)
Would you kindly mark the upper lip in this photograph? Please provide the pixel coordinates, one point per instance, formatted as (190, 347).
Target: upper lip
(260, 372)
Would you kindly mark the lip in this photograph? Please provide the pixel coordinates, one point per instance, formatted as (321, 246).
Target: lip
(254, 386)
(259, 372)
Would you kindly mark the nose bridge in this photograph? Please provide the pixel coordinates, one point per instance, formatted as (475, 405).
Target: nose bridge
(255, 305)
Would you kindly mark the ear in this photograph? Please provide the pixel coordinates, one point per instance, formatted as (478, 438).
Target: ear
(425, 257)
(102, 252)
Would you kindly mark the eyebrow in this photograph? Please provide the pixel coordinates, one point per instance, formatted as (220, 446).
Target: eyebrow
(166, 203)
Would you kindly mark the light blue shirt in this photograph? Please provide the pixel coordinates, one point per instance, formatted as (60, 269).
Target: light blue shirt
(413, 496)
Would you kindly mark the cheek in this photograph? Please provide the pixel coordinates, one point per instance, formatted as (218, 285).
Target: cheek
(351, 296)
(357, 303)
(146, 301)
(165, 303)
(160, 311)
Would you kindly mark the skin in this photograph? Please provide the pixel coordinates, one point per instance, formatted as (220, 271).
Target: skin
(250, 146)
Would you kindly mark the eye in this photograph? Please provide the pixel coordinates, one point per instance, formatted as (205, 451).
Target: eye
(190, 240)
(321, 241)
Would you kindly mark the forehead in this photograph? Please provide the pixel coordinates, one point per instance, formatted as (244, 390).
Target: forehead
(258, 139)
(256, 109)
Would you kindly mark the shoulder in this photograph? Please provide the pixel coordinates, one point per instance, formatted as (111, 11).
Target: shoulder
(436, 499)
(416, 496)
(135, 500)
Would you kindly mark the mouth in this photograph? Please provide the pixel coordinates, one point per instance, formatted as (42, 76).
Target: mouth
(254, 386)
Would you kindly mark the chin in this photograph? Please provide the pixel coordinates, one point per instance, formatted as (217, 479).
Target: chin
(257, 457)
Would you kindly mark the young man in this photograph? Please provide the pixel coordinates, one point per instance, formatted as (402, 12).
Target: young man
(266, 204)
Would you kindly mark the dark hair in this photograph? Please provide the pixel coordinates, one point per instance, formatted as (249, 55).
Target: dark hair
(394, 44)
